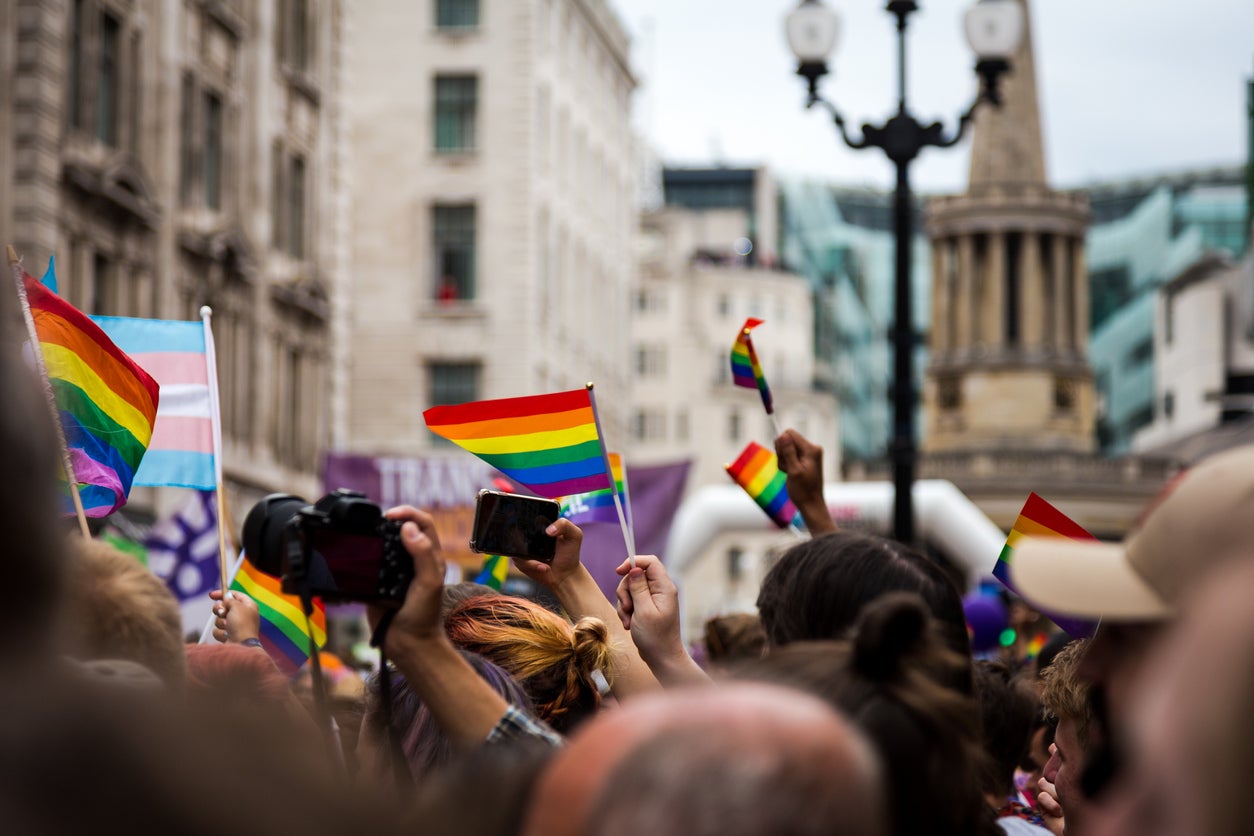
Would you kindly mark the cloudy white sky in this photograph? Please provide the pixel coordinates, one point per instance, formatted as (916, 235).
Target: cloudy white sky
(1126, 87)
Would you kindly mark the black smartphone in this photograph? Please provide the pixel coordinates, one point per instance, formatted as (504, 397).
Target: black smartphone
(513, 525)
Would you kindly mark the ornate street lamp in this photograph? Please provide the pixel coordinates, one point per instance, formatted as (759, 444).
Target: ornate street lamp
(994, 29)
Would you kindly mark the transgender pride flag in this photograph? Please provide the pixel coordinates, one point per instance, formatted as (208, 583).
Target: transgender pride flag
(181, 452)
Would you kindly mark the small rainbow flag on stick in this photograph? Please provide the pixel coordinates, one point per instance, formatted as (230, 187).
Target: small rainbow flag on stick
(283, 632)
(1040, 519)
(549, 443)
(746, 370)
(107, 403)
(757, 471)
(495, 570)
(598, 506)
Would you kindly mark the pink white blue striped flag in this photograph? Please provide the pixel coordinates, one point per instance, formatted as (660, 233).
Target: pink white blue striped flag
(181, 452)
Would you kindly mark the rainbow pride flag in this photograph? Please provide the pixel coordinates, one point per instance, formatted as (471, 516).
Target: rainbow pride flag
(283, 633)
(495, 569)
(107, 403)
(757, 471)
(746, 370)
(1040, 519)
(598, 506)
(549, 443)
(174, 353)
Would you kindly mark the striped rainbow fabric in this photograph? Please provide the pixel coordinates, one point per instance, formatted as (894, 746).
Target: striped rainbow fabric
(746, 370)
(174, 353)
(283, 633)
(757, 471)
(598, 506)
(495, 570)
(1040, 519)
(548, 443)
(107, 402)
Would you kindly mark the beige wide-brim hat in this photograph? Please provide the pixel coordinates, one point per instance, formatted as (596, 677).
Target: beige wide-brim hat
(1204, 517)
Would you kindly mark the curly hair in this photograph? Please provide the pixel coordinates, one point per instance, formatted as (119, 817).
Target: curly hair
(1065, 694)
(552, 659)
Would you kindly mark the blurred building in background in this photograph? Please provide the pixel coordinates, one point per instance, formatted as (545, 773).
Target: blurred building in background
(707, 264)
(493, 211)
(174, 155)
(1145, 233)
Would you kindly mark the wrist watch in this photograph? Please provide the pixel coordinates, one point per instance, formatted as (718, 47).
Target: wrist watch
(251, 642)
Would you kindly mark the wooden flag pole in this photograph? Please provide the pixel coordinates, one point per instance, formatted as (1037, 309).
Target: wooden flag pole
(609, 472)
(32, 335)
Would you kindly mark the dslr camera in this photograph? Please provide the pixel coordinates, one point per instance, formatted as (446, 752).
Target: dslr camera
(339, 549)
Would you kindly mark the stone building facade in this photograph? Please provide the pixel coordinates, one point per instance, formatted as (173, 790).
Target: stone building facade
(494, 212)
(177, 154)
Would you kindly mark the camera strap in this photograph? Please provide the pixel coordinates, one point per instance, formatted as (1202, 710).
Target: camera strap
(400, 768)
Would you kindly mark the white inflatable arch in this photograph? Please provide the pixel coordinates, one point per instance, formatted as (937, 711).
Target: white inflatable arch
(944, 517)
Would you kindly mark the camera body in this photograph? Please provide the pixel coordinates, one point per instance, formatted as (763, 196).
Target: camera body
(339, 549)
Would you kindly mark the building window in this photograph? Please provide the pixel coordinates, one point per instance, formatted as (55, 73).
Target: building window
(949, 393)
(1064, 394)
(452, 383)
(1141, 353)
(296, 34)
(681, 425)
(456, 14)
(454, 246)
(648, 425)
(1010, 296)
(455, 105)
(211, 172)
(735, 564)
(650, 361)
(187, 139)
(107, 85)
(1169, 405)
(76, 65)
(733, 425)
(296, 207)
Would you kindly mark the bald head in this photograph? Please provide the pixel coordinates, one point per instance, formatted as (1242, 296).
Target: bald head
(740, 759)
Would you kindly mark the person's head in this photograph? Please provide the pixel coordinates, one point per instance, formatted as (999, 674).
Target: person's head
(234, 672)
(739, 759)
(117, 609)
(1190, 740)
(553, 660)
(733, 638)
(1065, 696)
(1008, 710)
(455, 593)
(891, 679)
(819, 587)
(423, 743)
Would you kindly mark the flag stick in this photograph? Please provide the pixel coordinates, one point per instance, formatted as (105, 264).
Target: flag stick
(779, 430)
(215, 421)
(609, 472)
(67, 464)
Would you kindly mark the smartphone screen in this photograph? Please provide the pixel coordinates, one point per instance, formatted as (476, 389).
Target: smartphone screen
(514, 526)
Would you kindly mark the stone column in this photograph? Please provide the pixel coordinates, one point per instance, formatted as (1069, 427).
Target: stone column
(1032, 302)
(964, 295)
(1063, 293)
(940, 297)
(993, 289)
(1080, 287)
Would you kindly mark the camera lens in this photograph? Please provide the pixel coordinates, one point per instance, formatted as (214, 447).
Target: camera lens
(263, 531)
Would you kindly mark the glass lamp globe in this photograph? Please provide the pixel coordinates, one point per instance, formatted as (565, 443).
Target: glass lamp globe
(812, 30)
(994, 28)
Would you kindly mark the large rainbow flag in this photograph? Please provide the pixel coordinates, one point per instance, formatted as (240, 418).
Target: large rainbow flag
(107, 403)
(757, 471)
(549, 443)
(598, 506)
(174, 353)
(746, 370)
(1040, 519)
(283, 633)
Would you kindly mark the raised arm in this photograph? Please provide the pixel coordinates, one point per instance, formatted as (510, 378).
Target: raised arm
(802, 463)
(468, 709)
(648, 605)
(577, 591)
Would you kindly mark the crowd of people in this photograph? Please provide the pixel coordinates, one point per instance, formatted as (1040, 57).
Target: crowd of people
(850, 703)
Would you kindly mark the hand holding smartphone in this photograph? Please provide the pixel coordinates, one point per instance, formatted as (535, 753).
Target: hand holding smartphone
(513, 525)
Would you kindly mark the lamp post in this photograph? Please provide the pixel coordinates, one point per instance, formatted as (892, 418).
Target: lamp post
(993, 29)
